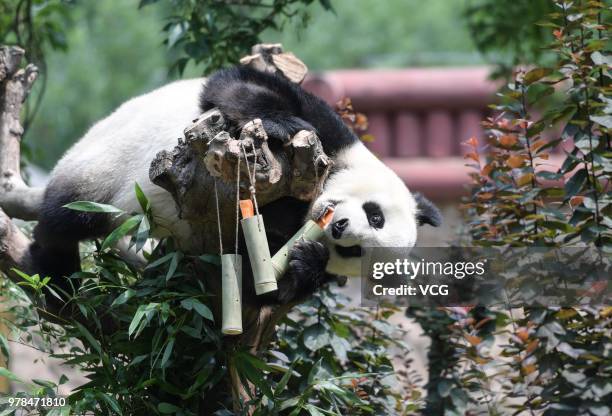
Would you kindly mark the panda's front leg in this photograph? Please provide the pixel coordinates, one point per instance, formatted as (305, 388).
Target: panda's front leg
(306, 272)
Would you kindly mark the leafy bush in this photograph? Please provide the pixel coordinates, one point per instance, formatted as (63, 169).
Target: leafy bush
(555, 360)
(218, 33)
(147, 340)
(509, 33)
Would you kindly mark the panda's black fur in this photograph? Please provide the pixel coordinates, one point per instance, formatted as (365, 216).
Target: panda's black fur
(241, 94)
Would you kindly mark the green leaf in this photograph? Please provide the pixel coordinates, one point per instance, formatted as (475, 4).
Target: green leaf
(44, 383)
(444, 387)
(111, 401)
(144, 3)
(313, 410)
(167, 352)
(605, 121)
(92, 341)
(536, 92)
(33, 281)
(317, 372)
(283, 381)
(143, 233)
(4, 346)
(199, 307)
(550, 176)
(341, 347)
(286, 404)
(599, 58)
(254, 361)
(138, 360)
(88, 206)
(56, 411)
(575, 183)
(248, 366)
(167, 408)
(535, 75)
(211, 258)
(4, 372)
(340, 329)
(327, 5)
(142, 312)
(160, 261)
(177, 256)
(121, 231)
(599, 409)
(460, 398)
(330, 387)
(122, 298)
(142, 198)
(558, 225)
(316, 337)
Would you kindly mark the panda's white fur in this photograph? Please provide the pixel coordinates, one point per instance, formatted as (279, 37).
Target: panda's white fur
(117, 151)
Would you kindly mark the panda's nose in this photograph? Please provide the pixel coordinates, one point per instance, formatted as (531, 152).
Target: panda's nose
(339, 226)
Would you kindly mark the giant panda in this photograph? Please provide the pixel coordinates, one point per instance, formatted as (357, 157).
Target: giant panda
(372, 206)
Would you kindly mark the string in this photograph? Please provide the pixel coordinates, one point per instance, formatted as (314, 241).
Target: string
(237, 202)
(319, 180)
(218, 218)
(252, 178)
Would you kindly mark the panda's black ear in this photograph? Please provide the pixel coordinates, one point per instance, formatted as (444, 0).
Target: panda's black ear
(427, 212)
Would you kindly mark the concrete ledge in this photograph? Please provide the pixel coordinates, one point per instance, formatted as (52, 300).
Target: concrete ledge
(445, 179)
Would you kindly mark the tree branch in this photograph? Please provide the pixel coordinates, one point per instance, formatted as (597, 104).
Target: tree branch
(16, 198)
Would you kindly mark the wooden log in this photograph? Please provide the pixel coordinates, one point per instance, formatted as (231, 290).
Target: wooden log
(208, 153)
(270, 57)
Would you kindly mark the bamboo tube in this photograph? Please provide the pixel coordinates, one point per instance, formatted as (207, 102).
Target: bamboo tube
(257, 245)
(309, 231)
(231, 289)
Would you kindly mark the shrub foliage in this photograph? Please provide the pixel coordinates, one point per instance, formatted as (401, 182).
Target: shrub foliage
(541, 177)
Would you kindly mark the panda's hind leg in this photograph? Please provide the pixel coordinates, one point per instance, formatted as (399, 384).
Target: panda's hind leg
(55, 249)
(284, 127)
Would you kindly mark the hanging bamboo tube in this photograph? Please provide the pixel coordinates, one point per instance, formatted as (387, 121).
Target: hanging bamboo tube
(231, 288)
(310, 231)
(257, 245)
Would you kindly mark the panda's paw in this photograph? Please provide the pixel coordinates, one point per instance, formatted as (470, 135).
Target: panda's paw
(308, 258)
(306, 272)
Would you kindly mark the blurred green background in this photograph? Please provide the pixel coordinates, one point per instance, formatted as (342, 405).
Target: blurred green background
(115, 51)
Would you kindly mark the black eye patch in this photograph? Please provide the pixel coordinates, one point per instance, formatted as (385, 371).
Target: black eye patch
(374, 214)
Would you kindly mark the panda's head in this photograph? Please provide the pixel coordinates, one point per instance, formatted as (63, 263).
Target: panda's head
(372, 208)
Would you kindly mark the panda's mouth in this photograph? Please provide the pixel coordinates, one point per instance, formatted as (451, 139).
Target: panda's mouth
(348, 252)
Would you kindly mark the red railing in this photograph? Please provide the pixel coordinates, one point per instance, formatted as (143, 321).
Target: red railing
(419, 117)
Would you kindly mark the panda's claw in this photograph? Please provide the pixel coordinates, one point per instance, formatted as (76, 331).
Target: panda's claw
(306, 273)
